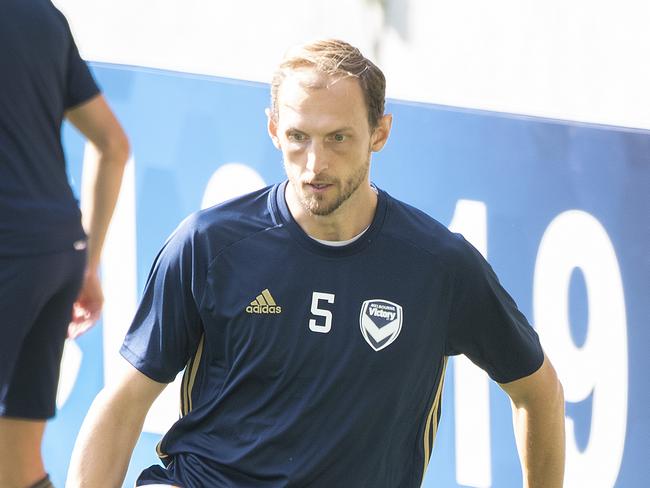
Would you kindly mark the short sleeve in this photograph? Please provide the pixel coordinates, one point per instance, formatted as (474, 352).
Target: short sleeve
(79, 82)
(167, 325)
(485, 323)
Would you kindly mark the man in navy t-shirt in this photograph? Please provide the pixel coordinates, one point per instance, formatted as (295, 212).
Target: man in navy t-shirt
(313, 320)
(49, 284)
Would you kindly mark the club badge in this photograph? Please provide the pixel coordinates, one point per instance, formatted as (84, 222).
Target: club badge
(381, 322)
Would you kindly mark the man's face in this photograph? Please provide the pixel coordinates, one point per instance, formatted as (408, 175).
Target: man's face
(322, 130)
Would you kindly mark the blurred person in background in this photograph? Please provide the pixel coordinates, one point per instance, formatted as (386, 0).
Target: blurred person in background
(314, 320)
(49, 283)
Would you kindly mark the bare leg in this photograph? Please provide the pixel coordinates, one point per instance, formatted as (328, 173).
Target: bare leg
(21, 464)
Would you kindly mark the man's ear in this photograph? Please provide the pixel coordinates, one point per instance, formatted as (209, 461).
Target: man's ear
(381, 132)
(272, 128)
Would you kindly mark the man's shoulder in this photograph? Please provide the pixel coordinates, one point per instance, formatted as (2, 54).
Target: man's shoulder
(411, 224)
(229, 221)
(22, 21)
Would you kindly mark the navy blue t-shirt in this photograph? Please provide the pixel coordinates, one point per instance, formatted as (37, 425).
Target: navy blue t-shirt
(41, 76)
(312, 365)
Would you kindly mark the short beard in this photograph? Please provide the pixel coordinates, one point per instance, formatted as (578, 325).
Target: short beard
(314, 205)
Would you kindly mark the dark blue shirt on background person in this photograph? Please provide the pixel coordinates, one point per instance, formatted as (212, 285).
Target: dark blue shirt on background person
(41, 76)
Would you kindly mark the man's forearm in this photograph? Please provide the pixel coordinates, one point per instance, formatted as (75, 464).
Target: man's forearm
(540, 440)
(103, 172)
(101, 187)
(104, 446)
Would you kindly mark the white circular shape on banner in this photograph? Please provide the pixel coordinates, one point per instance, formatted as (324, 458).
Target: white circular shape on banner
(229, 181)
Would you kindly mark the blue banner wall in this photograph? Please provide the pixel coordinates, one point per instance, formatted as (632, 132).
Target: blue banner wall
(561, 210)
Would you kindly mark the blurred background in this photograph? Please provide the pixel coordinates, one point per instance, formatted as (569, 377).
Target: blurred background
(524, 125)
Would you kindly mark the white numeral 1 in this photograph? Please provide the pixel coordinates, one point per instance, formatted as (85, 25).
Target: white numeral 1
(471, 384)
(321, 312)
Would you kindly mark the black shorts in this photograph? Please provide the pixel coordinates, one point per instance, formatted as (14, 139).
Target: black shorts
(36, 297)
(155, 477)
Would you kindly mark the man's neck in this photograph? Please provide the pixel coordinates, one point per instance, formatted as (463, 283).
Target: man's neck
(349, 220)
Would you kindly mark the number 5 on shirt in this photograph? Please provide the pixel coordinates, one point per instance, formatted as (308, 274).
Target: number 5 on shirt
(316, 297)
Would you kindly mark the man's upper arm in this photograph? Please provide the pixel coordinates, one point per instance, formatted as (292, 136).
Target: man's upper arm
(95, 120)
(541, 385)
(134, 390)
(485, 323)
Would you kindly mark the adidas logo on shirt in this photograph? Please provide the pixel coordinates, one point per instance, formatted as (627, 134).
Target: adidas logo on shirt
(264, 303)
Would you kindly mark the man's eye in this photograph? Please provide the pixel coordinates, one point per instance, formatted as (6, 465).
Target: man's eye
(338, 137)
(296, 136)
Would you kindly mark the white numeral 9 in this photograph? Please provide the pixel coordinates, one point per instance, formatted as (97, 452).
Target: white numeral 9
(575, 239)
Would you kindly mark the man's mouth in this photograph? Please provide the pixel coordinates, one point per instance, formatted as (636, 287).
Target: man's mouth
(318, 186)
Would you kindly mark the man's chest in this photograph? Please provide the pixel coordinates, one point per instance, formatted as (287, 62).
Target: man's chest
(289, 313)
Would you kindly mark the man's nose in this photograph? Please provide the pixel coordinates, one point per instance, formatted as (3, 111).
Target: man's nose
(316, 157)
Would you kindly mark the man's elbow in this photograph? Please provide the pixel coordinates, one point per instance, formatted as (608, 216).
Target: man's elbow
(114, 147)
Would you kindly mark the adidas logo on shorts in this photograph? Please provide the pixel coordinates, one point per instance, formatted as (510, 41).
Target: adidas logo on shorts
(264, 303)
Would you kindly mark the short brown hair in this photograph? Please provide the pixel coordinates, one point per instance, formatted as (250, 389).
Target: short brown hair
(335, 58)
